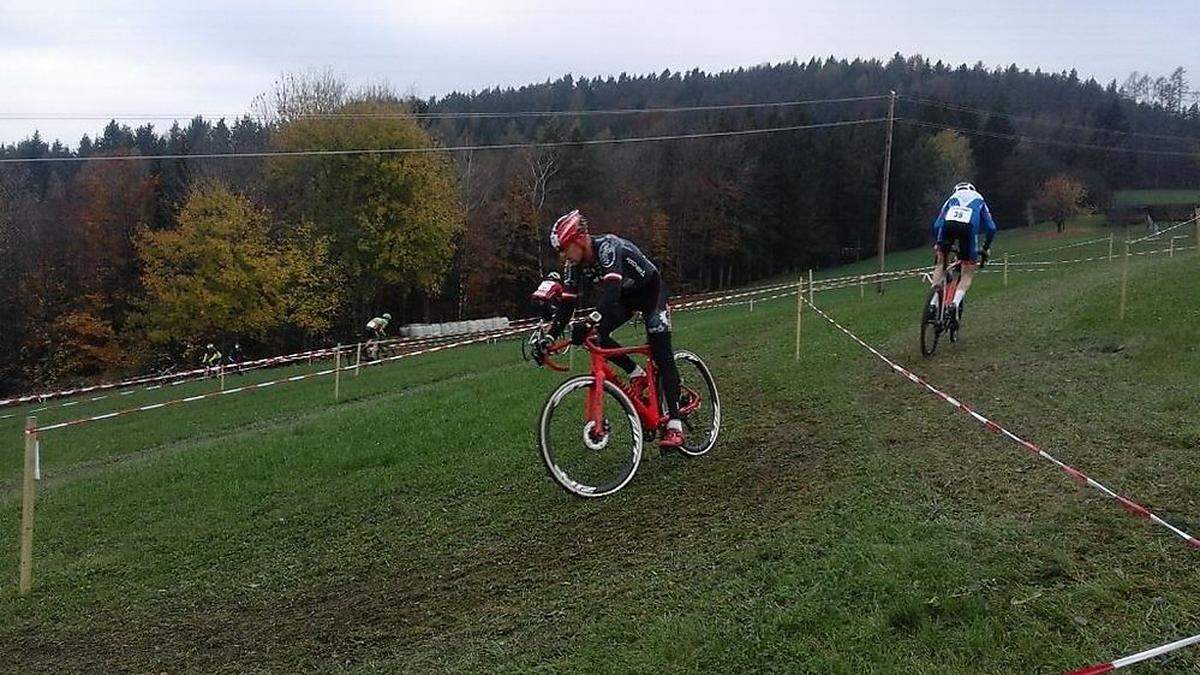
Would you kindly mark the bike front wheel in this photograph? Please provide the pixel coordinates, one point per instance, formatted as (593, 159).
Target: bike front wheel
(586, 461)
(699, 405)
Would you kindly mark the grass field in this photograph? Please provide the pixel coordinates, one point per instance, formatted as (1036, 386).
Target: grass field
(847, 521)
(1155, 197)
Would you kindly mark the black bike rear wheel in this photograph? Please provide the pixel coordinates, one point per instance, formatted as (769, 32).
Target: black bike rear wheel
(930, 328)
(700, 406)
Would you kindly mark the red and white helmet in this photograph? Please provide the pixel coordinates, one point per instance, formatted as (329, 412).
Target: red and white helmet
(566, 229)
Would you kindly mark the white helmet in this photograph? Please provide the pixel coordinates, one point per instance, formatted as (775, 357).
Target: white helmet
(964, 186)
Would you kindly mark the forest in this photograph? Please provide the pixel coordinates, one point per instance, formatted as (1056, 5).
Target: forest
(138, 245)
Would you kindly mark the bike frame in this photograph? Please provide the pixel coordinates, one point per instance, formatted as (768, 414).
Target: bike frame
(650, 413)
(950, 277)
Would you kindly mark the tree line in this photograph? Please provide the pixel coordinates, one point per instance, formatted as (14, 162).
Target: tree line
(110, 266)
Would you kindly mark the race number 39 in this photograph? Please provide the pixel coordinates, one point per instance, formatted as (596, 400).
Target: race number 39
(959, 214)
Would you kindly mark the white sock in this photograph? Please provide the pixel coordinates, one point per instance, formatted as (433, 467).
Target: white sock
(677, 425)
(958, 295)
(637, 372)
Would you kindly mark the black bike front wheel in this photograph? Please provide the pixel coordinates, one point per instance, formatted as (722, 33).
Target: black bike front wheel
(930, 327)
(584, 460)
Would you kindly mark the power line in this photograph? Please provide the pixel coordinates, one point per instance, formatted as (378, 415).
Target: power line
(1031, 120)
(459, 148)
(453, 114)
(1047, 141)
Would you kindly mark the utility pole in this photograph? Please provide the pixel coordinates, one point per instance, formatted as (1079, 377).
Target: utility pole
(883, 197)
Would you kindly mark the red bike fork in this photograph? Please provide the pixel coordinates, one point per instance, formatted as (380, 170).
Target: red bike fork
(595, 400)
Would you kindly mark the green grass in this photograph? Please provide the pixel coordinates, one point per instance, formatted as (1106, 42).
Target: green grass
(847, 521)
(1136, 198)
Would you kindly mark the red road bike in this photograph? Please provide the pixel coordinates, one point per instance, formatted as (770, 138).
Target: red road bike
(936, 317)
(593, 427)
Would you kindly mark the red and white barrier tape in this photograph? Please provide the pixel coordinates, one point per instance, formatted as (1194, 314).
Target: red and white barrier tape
(239, 369)
(1061, 248)
(1136, 658)
(990, 425)
(263, 385)
(1115, 256)
(900, 276)
(1160, 233)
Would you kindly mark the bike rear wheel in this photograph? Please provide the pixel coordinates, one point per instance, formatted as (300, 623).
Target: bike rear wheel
(584, 461)
(700, 404)
(930, 329)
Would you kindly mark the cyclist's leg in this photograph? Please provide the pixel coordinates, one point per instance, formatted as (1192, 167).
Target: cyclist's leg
(939, 263)
(970, 262)
(613, 318)
(658, 335)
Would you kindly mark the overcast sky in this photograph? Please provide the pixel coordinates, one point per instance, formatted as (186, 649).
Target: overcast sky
(213, 56)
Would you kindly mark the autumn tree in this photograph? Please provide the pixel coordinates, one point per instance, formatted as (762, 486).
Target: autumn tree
(1061, 197)
(391, 218)
(221, 274)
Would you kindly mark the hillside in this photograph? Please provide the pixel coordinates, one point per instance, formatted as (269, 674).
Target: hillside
(847, 520)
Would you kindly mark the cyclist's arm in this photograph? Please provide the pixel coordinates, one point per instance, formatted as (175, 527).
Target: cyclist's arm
(989, 225)
(940, 221)
(569, 299)
(612, 275)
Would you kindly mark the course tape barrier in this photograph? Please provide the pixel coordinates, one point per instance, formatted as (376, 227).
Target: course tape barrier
(1115, 256)
(1136, 658)
(994, 427)
(239, 369)
(1089, 242)
(270, 383)
(517, 326)
(1160, 233)
(267, 362)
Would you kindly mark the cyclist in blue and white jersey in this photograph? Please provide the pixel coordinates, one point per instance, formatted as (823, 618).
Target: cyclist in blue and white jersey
(963, 217)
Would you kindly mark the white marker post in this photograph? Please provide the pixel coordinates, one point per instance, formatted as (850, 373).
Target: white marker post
(799, 311)
(810, 288)
(862, 287)
(1124, 279)
(1005, 269)
(28, 494)
(337, 372)
(1110, 246)
(358, 359)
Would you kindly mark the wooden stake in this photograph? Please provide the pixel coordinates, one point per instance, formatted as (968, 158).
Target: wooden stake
(862, 287)
(337, 373)
(810, 287)
(883, 195)
(751, 304)
(799, 311)
(221, 372)
(1124, 279)
(28, 494)
(1110, 246)
(358, 359)
(1171, 249)
(1005, 269)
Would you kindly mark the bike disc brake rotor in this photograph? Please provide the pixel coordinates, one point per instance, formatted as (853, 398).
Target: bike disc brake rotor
(596, 443)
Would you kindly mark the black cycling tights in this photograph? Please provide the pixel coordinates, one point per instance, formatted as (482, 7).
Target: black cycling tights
(664, 358)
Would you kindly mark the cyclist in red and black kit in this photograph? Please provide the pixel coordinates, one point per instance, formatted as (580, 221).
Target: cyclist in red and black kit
(627, 282)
